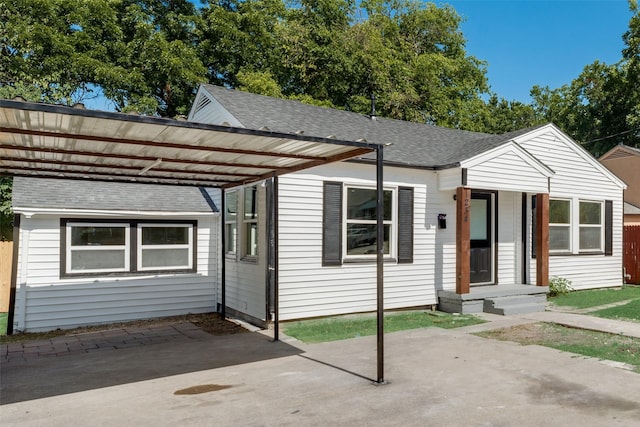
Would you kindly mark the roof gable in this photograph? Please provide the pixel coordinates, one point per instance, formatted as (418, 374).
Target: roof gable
(551, 129)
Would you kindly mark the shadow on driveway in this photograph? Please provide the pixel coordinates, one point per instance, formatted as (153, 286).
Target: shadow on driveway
(51, 375)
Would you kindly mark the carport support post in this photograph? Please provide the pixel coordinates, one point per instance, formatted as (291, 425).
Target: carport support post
(223, 272)
(380, 260)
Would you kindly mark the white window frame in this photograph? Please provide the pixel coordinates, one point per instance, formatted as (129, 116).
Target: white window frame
(393, 222)
(575, 226)
(580, 226)
(564, 225)
(141, 247)
(70, 249)
(229, 238)
(247, 224)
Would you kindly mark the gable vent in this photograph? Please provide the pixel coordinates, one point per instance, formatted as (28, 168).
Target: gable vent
(201, 103)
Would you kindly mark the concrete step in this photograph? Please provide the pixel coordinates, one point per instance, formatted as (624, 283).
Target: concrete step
(520, 304)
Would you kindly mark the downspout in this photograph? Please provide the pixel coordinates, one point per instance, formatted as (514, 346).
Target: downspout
(14, 273)
(380, 262)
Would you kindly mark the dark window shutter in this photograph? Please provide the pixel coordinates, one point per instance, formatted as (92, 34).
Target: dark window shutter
(608, 227)
(332, 224)
(405, 225)
(533, 226)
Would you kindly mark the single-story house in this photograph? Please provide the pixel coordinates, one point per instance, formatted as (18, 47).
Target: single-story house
(471, 222)
(624, 162)
(326, 216)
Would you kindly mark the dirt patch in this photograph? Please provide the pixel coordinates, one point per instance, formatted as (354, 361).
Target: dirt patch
(601, 345)
(208, 322)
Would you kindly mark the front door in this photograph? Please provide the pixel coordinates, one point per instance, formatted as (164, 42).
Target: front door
(481, 239)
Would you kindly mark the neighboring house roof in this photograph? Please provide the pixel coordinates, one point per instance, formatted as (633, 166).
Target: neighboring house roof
(630, 209)
(620, 150)
(63, 194)
(412, 144)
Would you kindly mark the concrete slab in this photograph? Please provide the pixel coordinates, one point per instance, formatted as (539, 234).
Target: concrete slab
(436, 377)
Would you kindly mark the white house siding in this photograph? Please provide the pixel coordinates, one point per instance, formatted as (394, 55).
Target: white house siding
(509, 237)
(578, 177)
(45, 302)
(449, 179)
(245, 283)
(506, 171)
(206, 109)
(308, 289)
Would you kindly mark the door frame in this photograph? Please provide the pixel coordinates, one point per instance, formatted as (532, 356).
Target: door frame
(493, 234)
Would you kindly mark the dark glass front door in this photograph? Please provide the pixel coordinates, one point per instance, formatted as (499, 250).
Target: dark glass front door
(481, 239)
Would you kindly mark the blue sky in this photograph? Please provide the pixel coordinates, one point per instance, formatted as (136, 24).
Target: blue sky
(537, 42)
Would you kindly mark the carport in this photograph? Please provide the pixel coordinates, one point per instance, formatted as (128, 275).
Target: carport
(65, 142)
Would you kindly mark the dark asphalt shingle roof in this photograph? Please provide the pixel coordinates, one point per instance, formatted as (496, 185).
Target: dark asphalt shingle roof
(413, 144)
(102, 195)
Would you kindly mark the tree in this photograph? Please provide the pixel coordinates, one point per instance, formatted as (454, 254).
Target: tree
(53, 50)
(236, 36)
(140, 54)
(6, 212)
(601, 107)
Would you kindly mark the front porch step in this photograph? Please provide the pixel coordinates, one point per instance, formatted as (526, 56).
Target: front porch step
(520, 304)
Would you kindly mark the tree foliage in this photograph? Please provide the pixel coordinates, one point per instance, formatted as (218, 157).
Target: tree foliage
(150, 55)
(6, 211)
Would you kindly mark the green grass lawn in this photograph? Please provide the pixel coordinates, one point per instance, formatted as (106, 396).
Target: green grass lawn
(3, 323)
(596, 297)
(338, 328)
(629, 311)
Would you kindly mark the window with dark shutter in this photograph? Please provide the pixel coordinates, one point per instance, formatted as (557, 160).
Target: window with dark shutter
(608, 227)
(405, 225)
(332, 224)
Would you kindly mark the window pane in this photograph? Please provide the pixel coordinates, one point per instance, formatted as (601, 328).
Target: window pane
(478, 219)
(590, 238)
(559, 211)
(231, 206)
(590, 213)
(251, 239)
(165, 258)
(97, 236)
(361, 239)
(362, 204)
(559, 238)
(165, 235)
(251, 203)
(230, 237)
(97, 260)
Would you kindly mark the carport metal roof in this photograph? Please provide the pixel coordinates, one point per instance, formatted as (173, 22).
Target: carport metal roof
(65, 142)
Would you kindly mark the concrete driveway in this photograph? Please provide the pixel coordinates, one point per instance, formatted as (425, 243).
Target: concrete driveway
(436, 377)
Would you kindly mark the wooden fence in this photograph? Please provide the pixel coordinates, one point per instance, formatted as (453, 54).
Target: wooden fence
(632, 253)
(6, 255)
